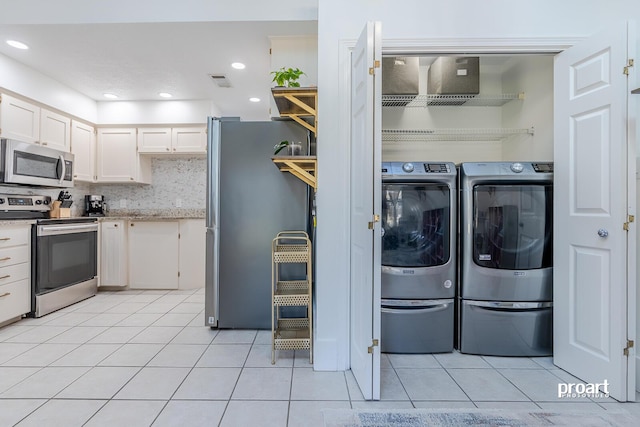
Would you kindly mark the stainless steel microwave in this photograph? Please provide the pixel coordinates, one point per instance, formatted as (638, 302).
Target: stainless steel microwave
(30, 164)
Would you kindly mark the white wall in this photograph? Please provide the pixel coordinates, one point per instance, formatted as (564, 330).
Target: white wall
(439, 22)
(32, 84)
(155, 112)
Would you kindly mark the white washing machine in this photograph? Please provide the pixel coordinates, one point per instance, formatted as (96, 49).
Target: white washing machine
(506, 272)
(418, 257)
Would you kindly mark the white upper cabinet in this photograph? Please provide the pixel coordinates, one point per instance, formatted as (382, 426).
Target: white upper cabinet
(83, 147)
(118, 159)
(154, 140)
(27, 122)
(19, 120)
(55, 130)
(189, 140)
(184, 140)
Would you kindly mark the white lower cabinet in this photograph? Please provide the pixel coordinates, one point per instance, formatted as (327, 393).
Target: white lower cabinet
(192, 253)
(153, 254)
(15, 272)
(113, 253)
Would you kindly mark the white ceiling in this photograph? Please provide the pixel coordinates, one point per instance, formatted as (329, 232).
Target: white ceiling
(137, 61)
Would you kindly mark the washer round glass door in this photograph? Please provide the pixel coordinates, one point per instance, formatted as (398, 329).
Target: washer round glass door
(415, 221)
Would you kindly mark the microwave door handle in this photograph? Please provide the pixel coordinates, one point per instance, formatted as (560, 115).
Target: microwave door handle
(64, 171)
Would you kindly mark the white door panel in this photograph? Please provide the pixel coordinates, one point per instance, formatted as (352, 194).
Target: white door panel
(591, 200)
(365, 193)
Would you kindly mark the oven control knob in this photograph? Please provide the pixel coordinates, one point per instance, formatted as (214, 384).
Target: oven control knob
(38, 202)
(407, 167)
(517, 167)
(1, 201)
(46, 201)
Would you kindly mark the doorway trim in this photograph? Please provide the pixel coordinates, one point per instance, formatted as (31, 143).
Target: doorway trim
(430, 46)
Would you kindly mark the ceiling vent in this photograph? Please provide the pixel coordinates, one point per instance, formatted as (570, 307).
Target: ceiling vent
(221, 80)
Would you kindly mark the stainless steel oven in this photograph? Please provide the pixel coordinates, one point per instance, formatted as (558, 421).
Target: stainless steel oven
(31, 164)
(64, 263)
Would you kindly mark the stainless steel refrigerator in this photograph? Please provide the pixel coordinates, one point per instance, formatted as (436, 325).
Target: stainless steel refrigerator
(248, 202)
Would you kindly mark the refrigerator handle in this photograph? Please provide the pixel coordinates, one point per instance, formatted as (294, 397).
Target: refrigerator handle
(213, 172)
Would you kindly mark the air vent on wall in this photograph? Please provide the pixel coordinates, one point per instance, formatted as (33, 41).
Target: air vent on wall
(221, 80)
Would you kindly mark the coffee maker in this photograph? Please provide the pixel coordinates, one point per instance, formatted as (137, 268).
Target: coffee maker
(94, 205)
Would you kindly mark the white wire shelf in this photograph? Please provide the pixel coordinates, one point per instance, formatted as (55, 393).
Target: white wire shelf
(477, 134)
(408, 101)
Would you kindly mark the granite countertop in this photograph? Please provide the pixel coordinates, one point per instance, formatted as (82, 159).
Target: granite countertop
(17, 222)
(154, 214)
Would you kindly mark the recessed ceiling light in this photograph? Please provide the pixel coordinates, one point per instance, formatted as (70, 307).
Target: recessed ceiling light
(238, 65)
(17, 44)
(164, 95)
(254, 99)
(110, 96)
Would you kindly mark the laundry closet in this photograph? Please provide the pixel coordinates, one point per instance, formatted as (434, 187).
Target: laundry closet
(439, 112)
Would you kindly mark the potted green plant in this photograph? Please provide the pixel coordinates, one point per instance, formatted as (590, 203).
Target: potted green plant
(287, 77)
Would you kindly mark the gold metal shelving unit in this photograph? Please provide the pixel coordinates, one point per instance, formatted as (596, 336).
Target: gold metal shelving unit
(298, 104)
(303, 167)
(291, 247)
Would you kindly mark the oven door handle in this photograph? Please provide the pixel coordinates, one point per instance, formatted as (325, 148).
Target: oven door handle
(52, 230)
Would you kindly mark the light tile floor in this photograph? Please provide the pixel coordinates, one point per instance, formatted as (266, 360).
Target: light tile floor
(141, 358)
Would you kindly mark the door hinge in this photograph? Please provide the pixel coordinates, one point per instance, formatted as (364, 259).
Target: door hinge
(376, 218)
(374, 343)
(625, 71)
(626, 349)
(630, 219)
(376, 64)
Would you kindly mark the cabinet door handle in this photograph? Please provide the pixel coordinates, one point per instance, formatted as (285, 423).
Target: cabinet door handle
(5, 277)
(132, 224)
(6, 294)
(4, 239)
(7, 258)
(115, 225)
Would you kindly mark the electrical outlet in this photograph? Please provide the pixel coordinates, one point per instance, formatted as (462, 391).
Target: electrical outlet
(123, 203)
(178, 203)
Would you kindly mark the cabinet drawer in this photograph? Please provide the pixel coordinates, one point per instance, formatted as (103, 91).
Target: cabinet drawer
(15, 299)
(15, 255)
(14, 236)
(13, 273)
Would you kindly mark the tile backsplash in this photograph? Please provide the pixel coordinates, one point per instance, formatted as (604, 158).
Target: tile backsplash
(175, 181)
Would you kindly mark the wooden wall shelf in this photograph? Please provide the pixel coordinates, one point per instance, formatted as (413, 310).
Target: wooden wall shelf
(297, 103)
(302, 167)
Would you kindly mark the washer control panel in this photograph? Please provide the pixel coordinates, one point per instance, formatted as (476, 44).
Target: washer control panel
(417, 168)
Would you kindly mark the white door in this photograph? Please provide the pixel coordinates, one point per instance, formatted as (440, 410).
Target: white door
(592, 203)
(365, 187)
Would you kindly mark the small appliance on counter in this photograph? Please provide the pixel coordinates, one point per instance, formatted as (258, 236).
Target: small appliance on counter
(94, 205)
